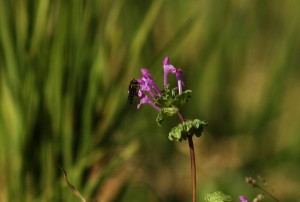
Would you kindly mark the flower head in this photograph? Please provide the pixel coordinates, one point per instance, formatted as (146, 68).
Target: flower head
(147, 87)
(149, 92)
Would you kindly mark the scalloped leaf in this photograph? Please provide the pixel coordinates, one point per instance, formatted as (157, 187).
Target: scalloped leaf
(171, 98)
(217, 197)
(165, 112)
(180, 100)
(182, 130)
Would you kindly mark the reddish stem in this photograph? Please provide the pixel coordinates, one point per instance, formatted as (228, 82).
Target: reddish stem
(193, 161)
(193, 166)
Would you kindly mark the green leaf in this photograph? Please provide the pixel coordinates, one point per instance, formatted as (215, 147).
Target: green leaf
(165, 99)
(176, 133)
(181, 99)
(217, 197)
(170, 111)
(198, 126)
(159, 119)
(169, 98)
(165, 112)
(174, 91)
(182, 130)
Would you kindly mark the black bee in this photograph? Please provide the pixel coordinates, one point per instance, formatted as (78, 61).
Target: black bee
(133, 90)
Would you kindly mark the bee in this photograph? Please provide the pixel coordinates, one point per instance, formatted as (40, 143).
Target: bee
(133, 90)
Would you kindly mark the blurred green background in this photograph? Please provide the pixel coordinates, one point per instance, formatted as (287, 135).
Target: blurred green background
(65, 67)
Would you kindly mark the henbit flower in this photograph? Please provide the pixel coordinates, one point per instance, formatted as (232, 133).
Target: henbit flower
(144, 87)
(144, 99)
(179, 80)
(147, 87)
(243, 199)
(148, 80)
(168, 68)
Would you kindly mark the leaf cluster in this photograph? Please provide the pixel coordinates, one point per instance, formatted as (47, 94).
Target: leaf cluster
(171, 102)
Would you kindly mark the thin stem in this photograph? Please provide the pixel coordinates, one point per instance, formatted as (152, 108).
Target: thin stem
(252, 182)
(193, 166)
(181, 117)
(268, 193)
(74, 190)
(193, 161)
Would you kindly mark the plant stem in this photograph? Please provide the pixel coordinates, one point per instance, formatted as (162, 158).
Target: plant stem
(268, 193)
(193, 166)
(193, 161)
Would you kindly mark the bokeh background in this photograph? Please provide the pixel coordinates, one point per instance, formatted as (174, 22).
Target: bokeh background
(65, 67)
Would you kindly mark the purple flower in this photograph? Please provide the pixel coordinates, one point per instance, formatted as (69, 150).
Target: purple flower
(144, 99)
(144, 86)
(148, 81)
(147, 85)
(243, 199)
(149, 91)
(179, 80)
(168, 68)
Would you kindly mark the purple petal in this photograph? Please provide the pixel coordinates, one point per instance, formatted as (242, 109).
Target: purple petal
(167, 70)
(243, 199)
(146, 100)
(146, 73)
(179, 80)
(147, 82)
(166, 61)
(179, 74)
